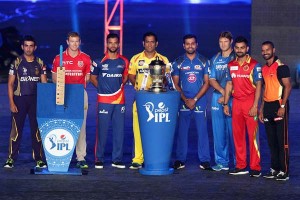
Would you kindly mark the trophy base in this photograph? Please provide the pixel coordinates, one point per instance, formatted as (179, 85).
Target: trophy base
(158, 90)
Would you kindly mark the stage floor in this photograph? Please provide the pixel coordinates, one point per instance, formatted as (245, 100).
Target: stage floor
(110, 183)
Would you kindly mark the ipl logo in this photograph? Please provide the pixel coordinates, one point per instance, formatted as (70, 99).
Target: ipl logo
(159, 114)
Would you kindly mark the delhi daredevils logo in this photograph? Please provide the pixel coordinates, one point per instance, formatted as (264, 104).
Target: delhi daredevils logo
(192, 78)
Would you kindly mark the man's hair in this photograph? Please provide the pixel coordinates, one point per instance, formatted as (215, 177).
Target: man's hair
(188, 36)
(240, 39)
(150, 34)
(226, 34)
(73, 34)
(268, 43)
(28, 38)
(112, 35)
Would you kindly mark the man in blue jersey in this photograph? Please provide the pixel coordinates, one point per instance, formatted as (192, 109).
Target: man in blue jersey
(26, 71)
(190, 76)
(221, 123)
(109, 75)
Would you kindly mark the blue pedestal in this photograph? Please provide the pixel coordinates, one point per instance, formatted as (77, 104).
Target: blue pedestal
(59, 125)
(157, 113)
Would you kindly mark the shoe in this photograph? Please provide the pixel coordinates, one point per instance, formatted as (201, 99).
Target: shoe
(99, 165)
(281, 176)
(205, 166)
(255, 173)
(82, 164)
(9, 163)
(219, 168)
(272, 174)
(135, 166)
(119, 165)
(238, 171)
(178, 165)
(40, 164)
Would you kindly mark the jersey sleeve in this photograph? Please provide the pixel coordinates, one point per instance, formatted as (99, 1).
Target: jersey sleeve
(125, 73)
(13, 67)
(132, 66)
(43, 66)
(55, 64)
(94, 68)
(88, 65)
(227, 74)
(211, 70)
(283, 71)
(206, 67)
(257, 76)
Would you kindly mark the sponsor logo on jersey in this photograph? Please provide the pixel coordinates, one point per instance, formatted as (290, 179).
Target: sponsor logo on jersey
(92, 68)
(11, 72)
(185, 68)
(103, 111)
(105, 67)
(141, 62)
(120, 66)
(198, 67)
(214, 108)
(94, 64)
(59, 142)
(159, 113)
(192, 78)
(80, 63)
(141, 71)
(111, 75)
(259, 75)
(246, 68)
(122, 109)
(68, 62)
(258, 69)
(29, 78)
(71, 73)
(221, 67)
(233, 68)
(233, 75)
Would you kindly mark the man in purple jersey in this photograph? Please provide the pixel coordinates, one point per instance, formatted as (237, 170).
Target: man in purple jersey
(24, 75)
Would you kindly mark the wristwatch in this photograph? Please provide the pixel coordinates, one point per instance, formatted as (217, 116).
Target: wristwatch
(282, 106)
(224, 104)
(195, 99)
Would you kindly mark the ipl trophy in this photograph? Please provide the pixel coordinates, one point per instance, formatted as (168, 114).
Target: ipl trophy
(157, 73)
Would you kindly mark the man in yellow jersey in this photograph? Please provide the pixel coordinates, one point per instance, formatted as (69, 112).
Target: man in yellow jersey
(139, 76)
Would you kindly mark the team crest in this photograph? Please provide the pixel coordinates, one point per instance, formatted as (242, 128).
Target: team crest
(80, 63)
(246, 68)
(24, 71)
(37, 72)
(141, 62)
(198, 67)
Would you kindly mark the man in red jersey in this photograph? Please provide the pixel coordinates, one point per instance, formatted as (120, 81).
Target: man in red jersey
(244, 83)
(77, 71)
(274, 111)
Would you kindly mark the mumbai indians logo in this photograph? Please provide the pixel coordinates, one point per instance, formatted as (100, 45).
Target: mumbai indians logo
(59, 142)
(159, 114)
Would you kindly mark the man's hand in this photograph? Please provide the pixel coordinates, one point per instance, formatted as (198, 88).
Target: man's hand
(226, 110)
(13, 108)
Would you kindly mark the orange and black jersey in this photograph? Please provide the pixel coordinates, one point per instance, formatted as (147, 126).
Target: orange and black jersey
(272, 76)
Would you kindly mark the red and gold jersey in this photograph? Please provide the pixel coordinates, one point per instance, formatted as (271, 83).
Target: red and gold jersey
(272, 75)
(139, 66)
(244, 77)
(76, 68)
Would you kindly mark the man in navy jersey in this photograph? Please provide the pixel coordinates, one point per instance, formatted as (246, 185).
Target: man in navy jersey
(26, 71)
(221, 123)
(190, 76)
(109, 75)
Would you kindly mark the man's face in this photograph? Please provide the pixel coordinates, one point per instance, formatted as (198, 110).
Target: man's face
(150, 44)
(28, 47)
(224, 43)
(113, 45)
(240, 49)
(267, 51)
(73, 43)
(190, 45)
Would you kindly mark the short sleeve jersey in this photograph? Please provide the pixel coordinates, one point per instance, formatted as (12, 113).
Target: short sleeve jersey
(139, 66)
(218, 67)
(272, 76)
(28, 74)
(244, 77)
(76, 68)
(110, 74)
(191, 73)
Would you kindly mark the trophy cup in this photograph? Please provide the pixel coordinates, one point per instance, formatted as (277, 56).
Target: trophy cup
(157, 73)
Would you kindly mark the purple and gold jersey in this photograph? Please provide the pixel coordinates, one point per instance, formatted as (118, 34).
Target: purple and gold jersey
(218, 67)
(110, 74)
(191, 73)
(28, 74)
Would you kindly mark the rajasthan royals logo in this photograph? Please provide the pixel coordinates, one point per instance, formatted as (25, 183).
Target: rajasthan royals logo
(159, 113)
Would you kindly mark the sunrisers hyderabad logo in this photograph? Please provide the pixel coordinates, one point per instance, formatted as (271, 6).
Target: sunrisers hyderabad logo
(159, 114)
(59, 142)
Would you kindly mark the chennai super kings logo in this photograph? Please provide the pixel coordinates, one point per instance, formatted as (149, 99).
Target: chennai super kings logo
(159, 114)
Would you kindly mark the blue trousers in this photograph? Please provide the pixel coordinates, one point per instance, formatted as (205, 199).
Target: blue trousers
(113, 114)
(222, 132)
(185, 116)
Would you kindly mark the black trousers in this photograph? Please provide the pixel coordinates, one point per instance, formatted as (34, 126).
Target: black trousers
(277, 134)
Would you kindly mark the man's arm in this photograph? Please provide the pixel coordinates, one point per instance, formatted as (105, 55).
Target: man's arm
(54, 77)
(178, 88)
(94, 80)
(43, 78)
(253, 109)
(287, 91)
(214, 83)
(132, 79)
(10, 89)
(228, 91)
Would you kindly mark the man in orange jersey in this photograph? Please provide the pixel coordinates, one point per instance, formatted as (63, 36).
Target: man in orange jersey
(274, 111)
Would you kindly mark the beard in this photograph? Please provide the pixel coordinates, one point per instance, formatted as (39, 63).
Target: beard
(267, 56)
(240, 54)
(111, 50)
